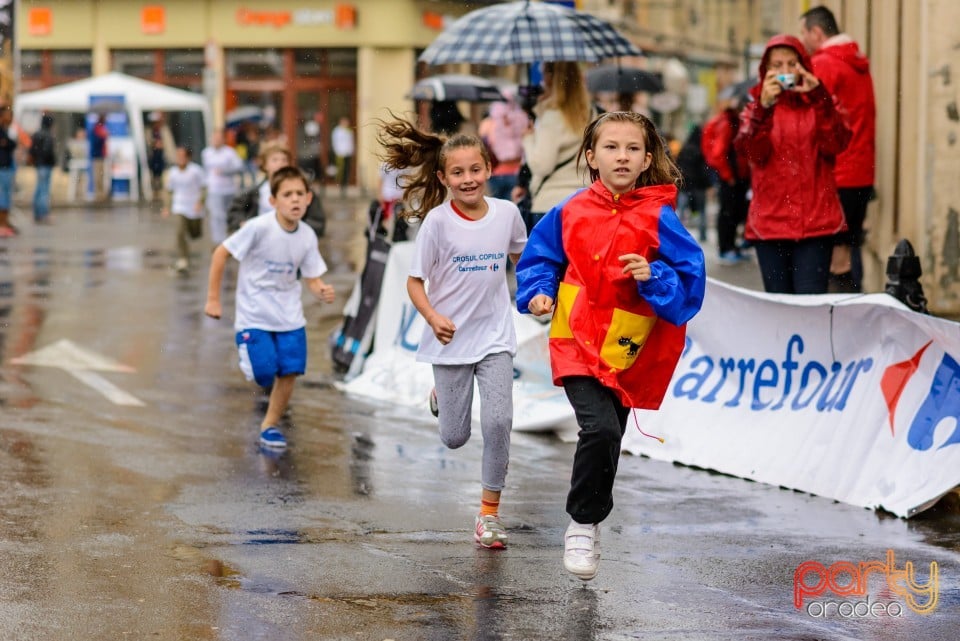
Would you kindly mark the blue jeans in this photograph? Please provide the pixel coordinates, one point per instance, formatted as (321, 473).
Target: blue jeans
(501, 186)
(6, 187)
(41, 195)
(795, 266)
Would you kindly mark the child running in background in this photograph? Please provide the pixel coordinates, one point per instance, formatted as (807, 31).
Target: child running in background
(625, 277)
(461, 252)
(184, 198)
(272, 249)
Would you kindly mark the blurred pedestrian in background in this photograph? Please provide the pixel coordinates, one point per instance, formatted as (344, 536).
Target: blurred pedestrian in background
(8, 170)
(791, 135)
(551, 144)
(221, 164)
(502, 131)
(77, 163)
(98, 158)
(733, 173)
(845, 73)
(183, 197)
(692, 200)
(43, 156)
(158, 141)
(344, 147)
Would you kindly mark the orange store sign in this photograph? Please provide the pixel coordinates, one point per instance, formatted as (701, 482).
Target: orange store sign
(344, 16)
(40, 21)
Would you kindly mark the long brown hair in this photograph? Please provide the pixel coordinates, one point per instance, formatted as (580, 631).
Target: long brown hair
(569, 93)
(662, 170)
(406, 147)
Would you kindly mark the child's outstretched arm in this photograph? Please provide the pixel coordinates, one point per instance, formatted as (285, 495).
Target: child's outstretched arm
(443, 328)
(541, 264)
(320, 289)
(218, 261)
(678, 277)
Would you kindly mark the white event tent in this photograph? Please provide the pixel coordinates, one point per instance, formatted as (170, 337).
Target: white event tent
(140, 96)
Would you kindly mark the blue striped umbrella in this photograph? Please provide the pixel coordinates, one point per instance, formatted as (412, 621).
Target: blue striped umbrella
(526, 32)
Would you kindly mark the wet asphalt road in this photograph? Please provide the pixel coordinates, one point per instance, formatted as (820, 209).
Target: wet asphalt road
(163, 521)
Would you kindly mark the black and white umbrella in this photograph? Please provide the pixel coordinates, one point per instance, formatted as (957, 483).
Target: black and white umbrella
(455, 86)
(622, 80)
(524, 32)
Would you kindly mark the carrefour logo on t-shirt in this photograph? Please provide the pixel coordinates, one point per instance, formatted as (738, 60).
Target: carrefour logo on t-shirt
(462, 262)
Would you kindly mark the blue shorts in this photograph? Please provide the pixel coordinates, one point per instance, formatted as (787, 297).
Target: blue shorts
(265, 355)
(6, 187)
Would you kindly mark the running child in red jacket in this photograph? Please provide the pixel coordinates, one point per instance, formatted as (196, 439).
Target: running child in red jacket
(622, 276)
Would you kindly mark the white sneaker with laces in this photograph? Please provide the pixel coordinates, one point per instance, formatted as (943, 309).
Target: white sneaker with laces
(581, 550)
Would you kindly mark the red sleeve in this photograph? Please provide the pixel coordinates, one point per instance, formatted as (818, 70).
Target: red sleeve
(753, 138)
(833, 134)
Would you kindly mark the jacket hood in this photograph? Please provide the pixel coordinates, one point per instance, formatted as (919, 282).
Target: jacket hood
(782, 40)
(844, 48)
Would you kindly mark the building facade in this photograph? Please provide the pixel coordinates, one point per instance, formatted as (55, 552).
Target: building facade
(303, 64)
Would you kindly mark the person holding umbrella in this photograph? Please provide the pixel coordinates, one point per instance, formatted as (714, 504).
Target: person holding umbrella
(550, 146)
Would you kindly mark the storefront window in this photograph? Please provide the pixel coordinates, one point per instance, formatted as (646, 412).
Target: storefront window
(254, 63)
(142, 64)
(31, 63)
(308, 62)
(342, 63)
(70, 63)
(183, 62)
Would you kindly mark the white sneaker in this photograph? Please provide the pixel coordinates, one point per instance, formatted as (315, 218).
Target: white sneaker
(181, 265)
(581, 550)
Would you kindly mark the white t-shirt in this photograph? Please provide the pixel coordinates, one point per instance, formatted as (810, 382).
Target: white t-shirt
(268, 291)
(186, 187)
(465, 265)
(341, 140)
(264, 202)
(221, 164)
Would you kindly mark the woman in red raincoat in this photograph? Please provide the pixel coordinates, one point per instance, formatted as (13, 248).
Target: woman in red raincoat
(790, 135)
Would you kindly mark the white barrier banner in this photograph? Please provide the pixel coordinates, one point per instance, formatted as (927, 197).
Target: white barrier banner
(851, 398)
(392, 374)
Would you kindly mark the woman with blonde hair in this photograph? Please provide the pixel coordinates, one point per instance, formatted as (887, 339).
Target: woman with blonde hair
(551, 145)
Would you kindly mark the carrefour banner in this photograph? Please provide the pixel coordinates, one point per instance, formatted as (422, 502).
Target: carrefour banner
(851, 398)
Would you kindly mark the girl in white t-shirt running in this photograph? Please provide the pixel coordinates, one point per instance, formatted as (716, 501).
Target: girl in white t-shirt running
(185, 186)
(461, 254)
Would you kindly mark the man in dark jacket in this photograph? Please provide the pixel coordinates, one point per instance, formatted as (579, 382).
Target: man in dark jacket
(845, 73)
(43, 157)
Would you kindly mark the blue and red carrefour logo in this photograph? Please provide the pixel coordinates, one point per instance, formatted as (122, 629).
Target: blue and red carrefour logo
(942, 399)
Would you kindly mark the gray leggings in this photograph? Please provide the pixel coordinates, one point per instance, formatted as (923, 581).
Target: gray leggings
(454, 384)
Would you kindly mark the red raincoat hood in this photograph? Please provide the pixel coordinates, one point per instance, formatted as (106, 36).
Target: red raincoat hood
(782, 40)
(847, 52)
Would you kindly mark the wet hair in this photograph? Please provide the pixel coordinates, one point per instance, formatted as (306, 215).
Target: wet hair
(273, 147)
(287, 173)
(823, 18)
(662, 170)
(406, 147)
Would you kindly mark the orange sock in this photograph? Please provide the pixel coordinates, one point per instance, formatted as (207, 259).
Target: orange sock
(489, 507)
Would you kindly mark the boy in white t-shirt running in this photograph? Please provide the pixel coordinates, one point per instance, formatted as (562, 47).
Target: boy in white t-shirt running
(270, 324)
(184, 198)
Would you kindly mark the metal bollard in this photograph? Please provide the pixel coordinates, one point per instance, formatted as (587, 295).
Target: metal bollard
(903, 277)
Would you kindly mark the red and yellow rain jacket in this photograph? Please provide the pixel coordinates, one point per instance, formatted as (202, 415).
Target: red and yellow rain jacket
(624, 333)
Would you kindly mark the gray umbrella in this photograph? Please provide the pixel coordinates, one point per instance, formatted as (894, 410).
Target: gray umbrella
(622, 80)
(524, 32)
(455, 86)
